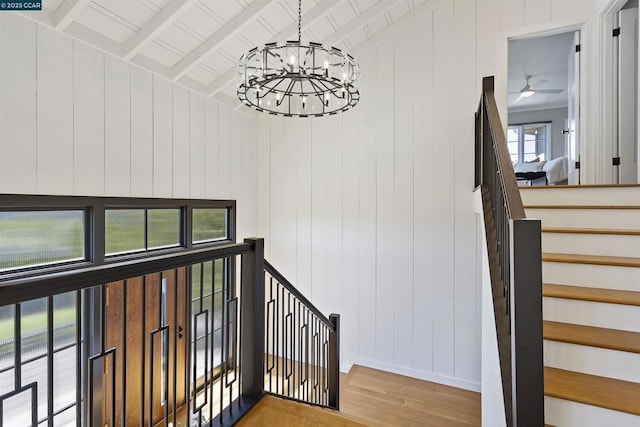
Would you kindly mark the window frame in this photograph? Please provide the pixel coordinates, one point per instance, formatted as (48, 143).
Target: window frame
(521, 127)
(95, 226)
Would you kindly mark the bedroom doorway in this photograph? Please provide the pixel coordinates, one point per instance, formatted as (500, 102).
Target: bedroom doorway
(543, 105)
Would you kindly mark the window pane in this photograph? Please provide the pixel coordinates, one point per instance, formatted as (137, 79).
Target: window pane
(209, 224)
(33, 328)
(530, 144)
(64, 319)
(42, 237)
(163, 227)
(7, 341)
(124, 230)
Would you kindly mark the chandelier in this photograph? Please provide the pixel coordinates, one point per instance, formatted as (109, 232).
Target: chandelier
(298, 80)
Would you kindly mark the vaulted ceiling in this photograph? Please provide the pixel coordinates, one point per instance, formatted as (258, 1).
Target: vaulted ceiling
(198, 42)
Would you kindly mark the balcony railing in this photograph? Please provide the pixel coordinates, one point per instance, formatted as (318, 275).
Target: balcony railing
(187, 338)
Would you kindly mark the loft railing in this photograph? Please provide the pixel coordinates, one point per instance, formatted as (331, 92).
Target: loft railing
(514, 249)
(302, 345)
(172, 339)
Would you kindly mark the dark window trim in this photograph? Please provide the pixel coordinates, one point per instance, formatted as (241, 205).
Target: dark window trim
(94, 227)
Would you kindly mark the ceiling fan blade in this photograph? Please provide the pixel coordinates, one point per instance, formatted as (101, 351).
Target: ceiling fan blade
(556, 91)
(515, 101)
(513, 93)
(538, 83)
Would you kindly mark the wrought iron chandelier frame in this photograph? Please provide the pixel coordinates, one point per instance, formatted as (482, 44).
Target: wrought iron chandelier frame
(298, 79)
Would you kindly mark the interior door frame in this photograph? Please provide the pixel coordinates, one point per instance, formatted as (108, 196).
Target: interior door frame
(588, 168)
(609, 88)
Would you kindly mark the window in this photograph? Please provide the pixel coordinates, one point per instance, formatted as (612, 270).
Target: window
(34, 238)
(49, 232)
(527, 142)
(133, 230)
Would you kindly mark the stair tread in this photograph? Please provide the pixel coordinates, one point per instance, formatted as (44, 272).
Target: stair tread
(569, 230)
(613, 339)
(604, 392)
(582, 206)
(618, 261)
(583, 293)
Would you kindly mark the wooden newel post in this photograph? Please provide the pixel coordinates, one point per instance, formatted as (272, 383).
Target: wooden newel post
(252, 314)
(334, 362)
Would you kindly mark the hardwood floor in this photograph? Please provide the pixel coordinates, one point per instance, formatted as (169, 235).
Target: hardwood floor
(380, 398)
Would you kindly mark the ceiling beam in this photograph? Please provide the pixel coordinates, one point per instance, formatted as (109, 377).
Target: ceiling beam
(359, 21)
(227, 31)
(67, 12)
(156, 25)
(308, 19)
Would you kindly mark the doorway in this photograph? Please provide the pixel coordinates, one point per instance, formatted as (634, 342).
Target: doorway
(624, 47)
(544, 107)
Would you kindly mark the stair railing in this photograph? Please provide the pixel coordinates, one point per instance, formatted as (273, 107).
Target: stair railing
(171, 339)
(514, 252)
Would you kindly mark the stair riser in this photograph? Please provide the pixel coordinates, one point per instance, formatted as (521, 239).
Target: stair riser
(620, 365)
(564, 413)
(614, 316)
(582, 196)
(596, 276)
(625, 219)
(591, 244)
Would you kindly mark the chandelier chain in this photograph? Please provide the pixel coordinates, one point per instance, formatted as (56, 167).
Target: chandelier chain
(299, 20)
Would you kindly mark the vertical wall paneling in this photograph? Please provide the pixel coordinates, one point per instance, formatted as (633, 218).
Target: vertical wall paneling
(303, 170)
(563, 8)
(443, 201)
(277, 197)
(196, 145)
(117, 127)
(55, 112)
(465, 96)
(423, 190)
(212, 168)
(322, 132)
(2, 107)
(224, 152)
(488, 23)
(88, 120)
(18, 131)
(350, 236)
(334, 208)
(249, 195)
(385, 185)
(367, 213)
(511, 14)
(162, 133)
(235, 151)
(143, 159)
(264, 184)
(181, 144)
(403, 224)
(537, 12)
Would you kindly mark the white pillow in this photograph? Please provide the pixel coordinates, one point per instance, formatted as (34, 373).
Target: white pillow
(529, 167)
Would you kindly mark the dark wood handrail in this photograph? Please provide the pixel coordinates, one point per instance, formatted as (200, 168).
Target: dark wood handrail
(296, 293)
(509, 183)
(18, 290)
(514, 254)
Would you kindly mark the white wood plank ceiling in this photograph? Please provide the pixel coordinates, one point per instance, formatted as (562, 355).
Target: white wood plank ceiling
(198, 42)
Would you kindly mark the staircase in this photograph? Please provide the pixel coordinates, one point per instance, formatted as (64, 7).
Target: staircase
(591, 302)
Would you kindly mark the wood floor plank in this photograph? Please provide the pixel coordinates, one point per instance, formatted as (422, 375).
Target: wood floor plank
(594, 337)
(384, 399)
(592, 390)
(583, 293)
(617, 261)
(273, 411)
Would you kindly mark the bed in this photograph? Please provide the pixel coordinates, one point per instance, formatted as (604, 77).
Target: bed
(552, 172)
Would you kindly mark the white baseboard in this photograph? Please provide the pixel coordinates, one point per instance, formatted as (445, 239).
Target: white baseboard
(415, 373)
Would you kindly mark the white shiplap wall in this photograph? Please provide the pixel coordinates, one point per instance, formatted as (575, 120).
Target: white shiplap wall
(371, 212)
(74, 120)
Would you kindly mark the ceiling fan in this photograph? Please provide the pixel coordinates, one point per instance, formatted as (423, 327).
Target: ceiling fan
(529, 90)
